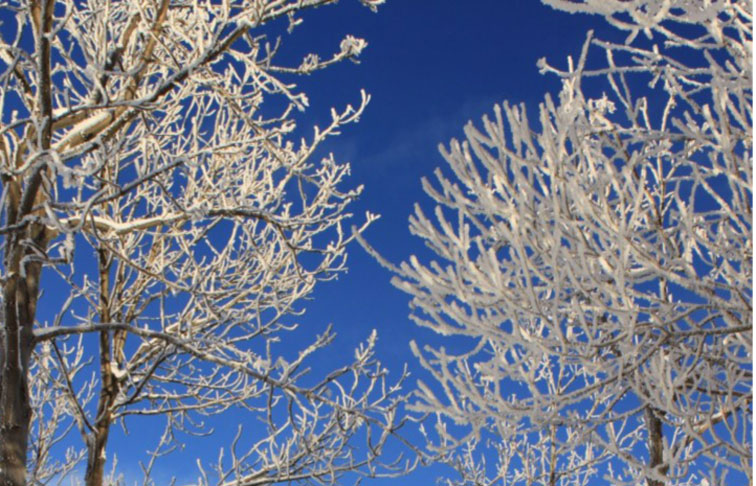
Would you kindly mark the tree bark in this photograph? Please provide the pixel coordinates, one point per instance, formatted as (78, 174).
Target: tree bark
(20, 294)
(14, 400)
(655, 446)
(109, 356)
(25, 249)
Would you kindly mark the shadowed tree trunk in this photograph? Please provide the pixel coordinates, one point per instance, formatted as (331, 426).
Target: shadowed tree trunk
(655, 445)
(111, 354)
(25, 248)
(14, 401)
(20, 294)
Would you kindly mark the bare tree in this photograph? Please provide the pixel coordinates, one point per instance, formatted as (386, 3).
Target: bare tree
(152, 184)
(595, 273)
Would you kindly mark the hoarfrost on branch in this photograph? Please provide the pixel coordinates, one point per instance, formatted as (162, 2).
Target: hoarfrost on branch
(157, 190)
(598, 264)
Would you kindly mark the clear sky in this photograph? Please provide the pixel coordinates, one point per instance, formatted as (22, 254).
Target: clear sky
(430, 67)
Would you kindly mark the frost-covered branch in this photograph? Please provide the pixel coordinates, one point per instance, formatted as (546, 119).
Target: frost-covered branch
(163, 219)
(600, 263)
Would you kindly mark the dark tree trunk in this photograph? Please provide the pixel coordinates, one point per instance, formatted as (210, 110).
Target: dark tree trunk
(96, 455)
(20, 294)
(655, 446)
(24, 248)
(109, 356)
(15, 410)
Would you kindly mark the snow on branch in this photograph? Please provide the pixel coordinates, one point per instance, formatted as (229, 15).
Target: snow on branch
(163, 220)
(600, 258)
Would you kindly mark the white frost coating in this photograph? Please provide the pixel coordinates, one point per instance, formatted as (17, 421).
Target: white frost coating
(83, 130)
(352, 46)
(180, 222)
(119, 373)
(601, 258)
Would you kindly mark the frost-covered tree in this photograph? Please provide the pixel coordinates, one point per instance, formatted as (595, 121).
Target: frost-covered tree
(594, 269)
(161, 215)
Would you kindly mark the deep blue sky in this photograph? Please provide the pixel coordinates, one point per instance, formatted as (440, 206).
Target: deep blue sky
(430, 67)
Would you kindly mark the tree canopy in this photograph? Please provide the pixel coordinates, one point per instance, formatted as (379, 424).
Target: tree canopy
(594, 267)
(157, 190)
